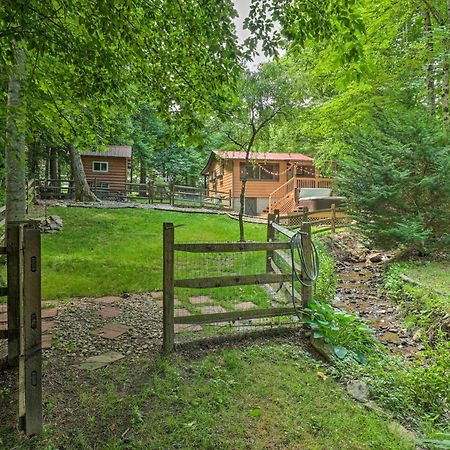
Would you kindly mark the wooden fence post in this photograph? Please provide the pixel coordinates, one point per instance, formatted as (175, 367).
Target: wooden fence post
(270, 238)
(14, 233)
(305, 214)
(333, 218)
(150, 191)
(168, 287)
(172, 194)
(307, 291)
(30, 361)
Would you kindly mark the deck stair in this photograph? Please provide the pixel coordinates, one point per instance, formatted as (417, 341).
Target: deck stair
(284, 199)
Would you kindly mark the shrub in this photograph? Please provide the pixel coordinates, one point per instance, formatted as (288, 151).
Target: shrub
(397, 181)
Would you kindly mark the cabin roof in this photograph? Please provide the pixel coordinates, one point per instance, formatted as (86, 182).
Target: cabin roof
(254, 156)
(118, 151)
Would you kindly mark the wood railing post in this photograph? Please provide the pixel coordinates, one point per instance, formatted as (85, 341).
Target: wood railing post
(270, 238)
(30, 360)
(305, 214)
(14, 235)
(333, 218)
(307, 291)
(168, 287)
(150, 191)
(172, 194)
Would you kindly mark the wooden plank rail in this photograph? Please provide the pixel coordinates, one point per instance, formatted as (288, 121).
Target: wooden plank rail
(286, 257)
(283, 230)
(235, 315)
(234, 280)
(287, 286)
(228, 247)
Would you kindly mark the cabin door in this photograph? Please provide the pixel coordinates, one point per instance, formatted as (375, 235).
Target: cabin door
(250, 206)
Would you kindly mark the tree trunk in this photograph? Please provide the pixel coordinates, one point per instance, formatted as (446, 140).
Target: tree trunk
(15, 141)
(55, 184)
(83, 192)
(445, 92)
(241, 209)
(243, 184)
(143, 178)
(445, 78)
(431, 93)
(33, 160)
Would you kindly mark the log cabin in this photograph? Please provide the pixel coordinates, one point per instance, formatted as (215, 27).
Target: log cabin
(107, 172)
(274, 180)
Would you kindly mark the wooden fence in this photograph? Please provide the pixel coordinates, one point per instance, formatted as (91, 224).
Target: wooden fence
(152, 193)
(23, 327)
(273, 274)
(323, 220)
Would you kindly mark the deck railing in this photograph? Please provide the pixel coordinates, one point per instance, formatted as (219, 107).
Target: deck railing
(284, 198)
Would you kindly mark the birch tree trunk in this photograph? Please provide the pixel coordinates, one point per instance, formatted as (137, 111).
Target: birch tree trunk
(15, 156)
(431, 93)
(445, 77)
(83, 192)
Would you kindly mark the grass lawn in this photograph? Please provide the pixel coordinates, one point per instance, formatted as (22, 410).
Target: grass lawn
(109, 252)
(435, 274)
(262, 396)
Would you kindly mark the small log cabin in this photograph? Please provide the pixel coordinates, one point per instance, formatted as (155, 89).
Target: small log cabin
(108, 171)
(273, 179)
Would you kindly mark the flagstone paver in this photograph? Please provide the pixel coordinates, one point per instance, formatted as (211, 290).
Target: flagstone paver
(178, 312)
(47, 325)
(156, 294)
(200, 299)
(108, 299)
(46, 341)
(245, 305)
(212, 309)
(111, 330)
(160, 302)
(48, 313)
(98, 361)
(109, 312)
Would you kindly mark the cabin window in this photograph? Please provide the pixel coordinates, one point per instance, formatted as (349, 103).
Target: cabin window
(99, 166)
(260, 171)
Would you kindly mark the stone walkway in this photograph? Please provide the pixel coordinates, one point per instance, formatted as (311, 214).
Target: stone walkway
(92, 332)
(48, 314)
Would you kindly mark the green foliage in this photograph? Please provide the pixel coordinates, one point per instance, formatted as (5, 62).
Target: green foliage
(423, 307)
(343, 330)
(415, 392)
(397, 181)
(304, 22)
(325, 288)
(437, 441)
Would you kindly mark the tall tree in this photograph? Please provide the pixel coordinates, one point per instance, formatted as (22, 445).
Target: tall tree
(263, 95)
(104, 53)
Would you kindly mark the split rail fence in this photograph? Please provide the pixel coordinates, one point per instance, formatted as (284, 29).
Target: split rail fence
(272, 275)
(173, 194)
(23, 319)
